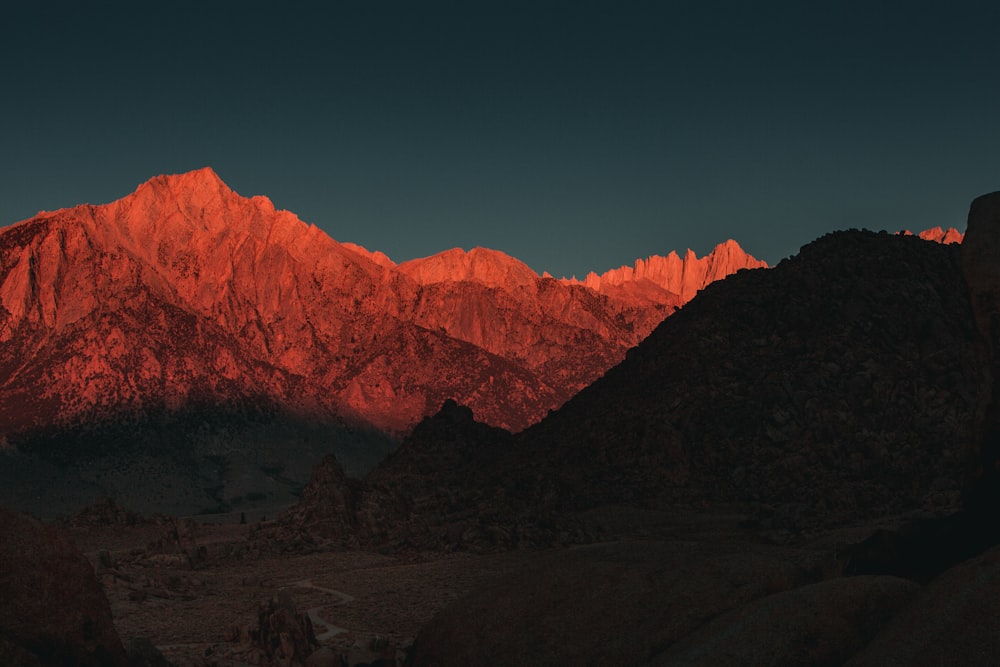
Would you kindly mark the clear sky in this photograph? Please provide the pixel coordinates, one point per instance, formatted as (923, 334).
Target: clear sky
(573, 135)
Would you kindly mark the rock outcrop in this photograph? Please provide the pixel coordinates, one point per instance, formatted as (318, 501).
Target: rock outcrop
(104, 512)
(54, 611)
(328, 507)
(981, 268)
(613, 604)
(821, 624)
(952, 621)
(282, 635)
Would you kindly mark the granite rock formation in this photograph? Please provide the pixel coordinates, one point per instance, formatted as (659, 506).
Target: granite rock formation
(981, 268)
(54, 611)
(940, 235)
(952, 621)
(327, 511)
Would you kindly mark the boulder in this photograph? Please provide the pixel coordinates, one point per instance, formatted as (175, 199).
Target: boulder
(819, 624)
(613, 604)
(954, 620)
(283, 634)
(54, 611)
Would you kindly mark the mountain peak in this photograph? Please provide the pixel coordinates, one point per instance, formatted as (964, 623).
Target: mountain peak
(191, 208)
(680, 276)
(489, 267)
(199, 188)
(196, 178)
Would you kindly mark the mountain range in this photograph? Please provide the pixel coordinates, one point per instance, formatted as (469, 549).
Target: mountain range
(791, 468)
(187, 309)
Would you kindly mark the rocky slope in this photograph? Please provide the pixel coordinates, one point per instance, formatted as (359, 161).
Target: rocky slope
(841, 383)
(185, 312)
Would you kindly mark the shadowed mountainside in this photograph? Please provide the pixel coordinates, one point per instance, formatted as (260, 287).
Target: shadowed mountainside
(842, 382)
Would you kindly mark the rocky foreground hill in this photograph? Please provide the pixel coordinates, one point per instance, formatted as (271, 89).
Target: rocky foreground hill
(837, 387)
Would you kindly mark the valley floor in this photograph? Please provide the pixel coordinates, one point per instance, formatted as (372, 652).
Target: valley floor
(355, 599)
(664, 588)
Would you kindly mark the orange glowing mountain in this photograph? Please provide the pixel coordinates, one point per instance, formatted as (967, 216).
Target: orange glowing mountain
(185, 292)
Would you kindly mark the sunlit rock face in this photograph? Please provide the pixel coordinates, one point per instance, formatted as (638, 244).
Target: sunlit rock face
(939, 235)
(186, 292)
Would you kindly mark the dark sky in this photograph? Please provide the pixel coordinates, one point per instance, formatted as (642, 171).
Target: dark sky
(572, 135)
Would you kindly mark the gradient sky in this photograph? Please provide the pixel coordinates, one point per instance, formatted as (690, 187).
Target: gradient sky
(575, 136)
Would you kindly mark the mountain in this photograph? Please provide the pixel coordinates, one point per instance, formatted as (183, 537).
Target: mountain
(187, 309)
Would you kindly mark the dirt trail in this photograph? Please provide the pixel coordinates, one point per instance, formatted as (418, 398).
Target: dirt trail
(330, 630)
